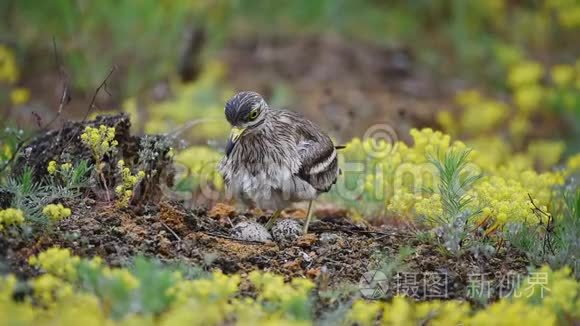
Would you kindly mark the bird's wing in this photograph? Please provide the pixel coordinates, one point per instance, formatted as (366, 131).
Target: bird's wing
(318, 158)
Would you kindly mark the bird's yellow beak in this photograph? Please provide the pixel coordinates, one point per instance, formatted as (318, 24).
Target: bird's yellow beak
(236, 133)
(234, 136)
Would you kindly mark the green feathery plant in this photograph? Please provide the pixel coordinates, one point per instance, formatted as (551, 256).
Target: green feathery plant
(454, 183)
(32, 196)
(455, 180)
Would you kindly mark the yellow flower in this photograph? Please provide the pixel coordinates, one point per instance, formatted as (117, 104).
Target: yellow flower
(49, 289)
(483, 116)
(563, 75)
(548, 153)
(8, 69)
(573, 163)
(505, 312)
(430, 206)
(468, 98)
(273, 289)
(52, 167)
(519, 127)
(124, 190)
(447, 122)
(506, 193)
(443, 312)
(529, 98)
(10, 216)
(56, 261)
(570, 17)
(99, 140)
(364, 312)
(508, 55)
(56, 212)
(65, 167)
(19, 96)
(525, 74)
(399, 312)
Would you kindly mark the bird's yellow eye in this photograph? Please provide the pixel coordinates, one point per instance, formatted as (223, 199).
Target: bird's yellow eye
(253, 115)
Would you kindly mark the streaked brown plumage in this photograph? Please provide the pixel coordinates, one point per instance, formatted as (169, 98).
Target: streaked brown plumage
(275, 157)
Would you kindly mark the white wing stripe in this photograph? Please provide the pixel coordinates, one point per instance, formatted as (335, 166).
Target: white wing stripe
(323, 165)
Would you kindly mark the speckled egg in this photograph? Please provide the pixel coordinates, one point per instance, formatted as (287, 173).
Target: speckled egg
(251, 231)
(286, 230)
(329, 238)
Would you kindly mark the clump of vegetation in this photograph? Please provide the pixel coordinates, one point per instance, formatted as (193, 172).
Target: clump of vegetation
(101, 141)
(124, 190)
(536, 92)
(10, 216)
(36, 199)
(455, 181)
(56, 212)
(72, 287)
(553, 239)
(398, 178)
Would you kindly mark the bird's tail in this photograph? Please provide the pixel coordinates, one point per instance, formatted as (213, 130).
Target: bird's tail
(339, 147)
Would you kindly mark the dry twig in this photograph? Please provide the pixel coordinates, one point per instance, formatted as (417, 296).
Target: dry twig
(171, 231)
(94, 98)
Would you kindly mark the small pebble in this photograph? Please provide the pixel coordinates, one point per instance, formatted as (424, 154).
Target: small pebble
(251, 231)
(286, 230)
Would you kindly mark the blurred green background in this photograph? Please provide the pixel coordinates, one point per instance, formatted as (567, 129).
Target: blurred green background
(345, 64)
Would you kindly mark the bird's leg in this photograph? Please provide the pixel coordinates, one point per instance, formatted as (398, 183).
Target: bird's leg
(308, 216)
(272, 219)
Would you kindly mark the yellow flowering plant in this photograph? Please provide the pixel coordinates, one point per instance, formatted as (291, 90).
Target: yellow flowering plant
(49, 289)
(364, 313)
(397, 176)
(68, 175)
(73, 289)
(10, 217)
(535, 91)
(58, 262)
(56, 212)
(282, 299)
(19, 96)
(101, 141)
(9, 72)
(52, 167)
(124, 190)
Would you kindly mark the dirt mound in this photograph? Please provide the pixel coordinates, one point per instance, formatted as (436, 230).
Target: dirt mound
(63, 144)
(148, 153)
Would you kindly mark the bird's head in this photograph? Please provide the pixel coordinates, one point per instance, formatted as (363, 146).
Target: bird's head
(245, 111)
